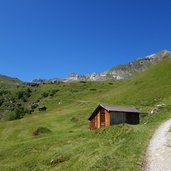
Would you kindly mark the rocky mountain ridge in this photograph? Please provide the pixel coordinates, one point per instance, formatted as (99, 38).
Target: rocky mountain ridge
(119, 72)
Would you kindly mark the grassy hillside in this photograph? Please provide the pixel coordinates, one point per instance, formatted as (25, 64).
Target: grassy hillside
(147, 88)
(9, 81)
(69, 144)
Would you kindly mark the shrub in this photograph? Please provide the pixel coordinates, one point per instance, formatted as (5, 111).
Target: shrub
(9, 116)
(41, 130)
(20, 94)
(1, 102)
(74, 90)
(38, 100)
(20, 112)
(53, 92)
(45, 94)
(3, 92)
(17, 113)
(83, 82)
(34, 106)
(29, 90)
(23, 93)
(24, 99)
(92, 89)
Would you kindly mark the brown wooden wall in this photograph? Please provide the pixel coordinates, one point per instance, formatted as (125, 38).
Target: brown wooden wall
(107, 118)
(96, 122)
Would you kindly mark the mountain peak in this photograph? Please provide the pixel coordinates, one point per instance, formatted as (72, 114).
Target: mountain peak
(121, 71)
(165, 51)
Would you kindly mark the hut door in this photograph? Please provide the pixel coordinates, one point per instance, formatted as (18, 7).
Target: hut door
(102, 118)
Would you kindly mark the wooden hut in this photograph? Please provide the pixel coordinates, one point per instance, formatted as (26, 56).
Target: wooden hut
(105, 115)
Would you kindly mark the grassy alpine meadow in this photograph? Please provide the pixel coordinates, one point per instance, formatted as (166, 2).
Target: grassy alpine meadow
(60, 139)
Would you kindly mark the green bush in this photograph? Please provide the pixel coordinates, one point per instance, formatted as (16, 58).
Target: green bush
(3, 92)
(74, 90)
(9, 116)
(93, 89)
(17, 113)
(26, 93)
(53, 92)
(29, 90)
(1, 102)
(45, 94)
(20, 94)
(34, 106)
(41, 130)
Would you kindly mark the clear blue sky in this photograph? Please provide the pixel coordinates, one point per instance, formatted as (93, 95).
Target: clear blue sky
(51, 38)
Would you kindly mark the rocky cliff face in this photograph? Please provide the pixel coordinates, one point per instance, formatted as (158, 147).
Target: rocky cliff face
(127, 70)
(118, 72)
(139, 65)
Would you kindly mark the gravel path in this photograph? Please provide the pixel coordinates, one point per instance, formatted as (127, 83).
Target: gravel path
(159, 149)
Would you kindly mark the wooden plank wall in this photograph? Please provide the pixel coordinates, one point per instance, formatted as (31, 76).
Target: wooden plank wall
(95, 122)
(107, 118)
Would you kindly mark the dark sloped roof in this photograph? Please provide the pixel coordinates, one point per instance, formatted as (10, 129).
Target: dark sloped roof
(113, 108)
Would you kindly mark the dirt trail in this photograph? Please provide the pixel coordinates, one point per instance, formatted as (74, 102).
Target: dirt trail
(159, 149)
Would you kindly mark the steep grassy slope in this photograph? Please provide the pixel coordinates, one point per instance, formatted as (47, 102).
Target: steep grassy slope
(147, 88)
(71, 145)
(9, 81)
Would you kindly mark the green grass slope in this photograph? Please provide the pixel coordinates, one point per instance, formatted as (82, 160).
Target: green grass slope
(147, 88)
(9, 81)
(69, 144)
